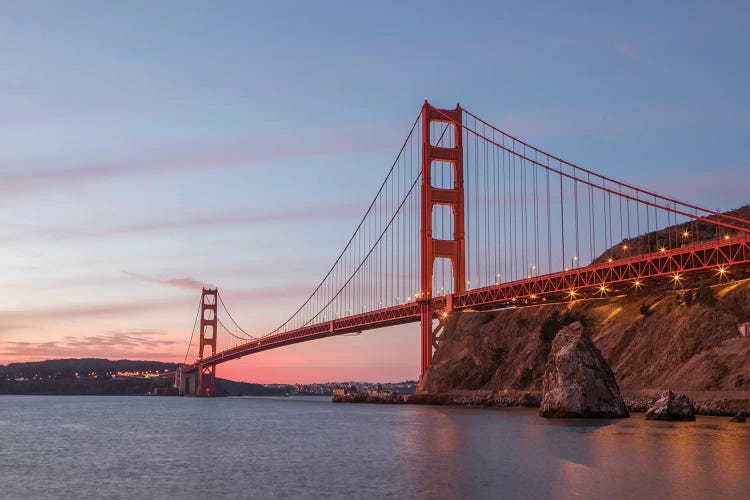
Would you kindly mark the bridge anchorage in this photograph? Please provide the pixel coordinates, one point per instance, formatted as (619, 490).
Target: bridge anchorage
(470, 217)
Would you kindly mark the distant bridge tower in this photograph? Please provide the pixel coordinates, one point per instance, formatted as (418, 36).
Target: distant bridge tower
(435, 155)
(206, 385)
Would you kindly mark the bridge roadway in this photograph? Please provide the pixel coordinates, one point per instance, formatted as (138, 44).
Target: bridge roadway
(675, 265)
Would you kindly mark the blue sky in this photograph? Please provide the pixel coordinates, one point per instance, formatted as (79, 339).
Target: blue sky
(146, 147)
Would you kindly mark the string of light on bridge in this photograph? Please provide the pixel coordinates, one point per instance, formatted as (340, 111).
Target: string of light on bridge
(521, 225)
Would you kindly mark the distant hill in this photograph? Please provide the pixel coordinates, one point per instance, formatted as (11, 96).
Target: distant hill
(104, 377)
(95, 376)
(62, 368)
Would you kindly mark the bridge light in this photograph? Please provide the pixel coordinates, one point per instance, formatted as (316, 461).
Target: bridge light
(609, 260)
(662, 249)
(722, 271)
(572, 293)
(676, 278)
(603, 289)
(637, 283)
(444, 315)
(726, 236)
(625, 247)
(686, 234)
(532, 296)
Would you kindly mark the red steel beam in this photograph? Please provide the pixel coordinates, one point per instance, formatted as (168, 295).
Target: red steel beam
(685, 262)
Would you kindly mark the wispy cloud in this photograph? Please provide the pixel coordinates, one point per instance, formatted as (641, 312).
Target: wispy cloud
(188, 283)
(26, 177)
(253, 294)
(46, 314)
(92, 311)
(110, 344)
(627, 51)
(297, 214)
(28, 233)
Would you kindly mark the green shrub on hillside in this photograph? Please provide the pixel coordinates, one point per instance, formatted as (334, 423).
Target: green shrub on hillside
(685, 297)
(705, 295)
(557, 321)
(646, 309)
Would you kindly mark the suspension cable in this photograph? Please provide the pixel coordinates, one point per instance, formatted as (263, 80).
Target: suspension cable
(251, 337)
(195, 324)
(362, 221)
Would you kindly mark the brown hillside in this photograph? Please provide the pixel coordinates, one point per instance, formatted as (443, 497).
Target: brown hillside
(651, 341)
(670, 237)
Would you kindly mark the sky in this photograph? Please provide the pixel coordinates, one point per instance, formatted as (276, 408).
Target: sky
(148, 148)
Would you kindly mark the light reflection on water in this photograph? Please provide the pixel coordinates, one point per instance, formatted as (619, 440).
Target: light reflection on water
(79, 447)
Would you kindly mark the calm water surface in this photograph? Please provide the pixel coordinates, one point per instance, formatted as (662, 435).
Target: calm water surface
(133, 447)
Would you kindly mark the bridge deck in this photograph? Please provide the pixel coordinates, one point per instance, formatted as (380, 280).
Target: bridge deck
(688, 262)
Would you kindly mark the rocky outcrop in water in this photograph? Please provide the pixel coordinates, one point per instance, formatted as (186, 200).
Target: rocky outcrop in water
(578, 382)
(739, 418)
(672, 407)
(351, 394)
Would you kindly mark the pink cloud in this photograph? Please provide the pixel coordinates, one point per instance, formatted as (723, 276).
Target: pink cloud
(628, 52)
(253, 294)
(188, 283)
(298, 214)
(110, 344)
(267, 294)
(95, 310)
(28, 178)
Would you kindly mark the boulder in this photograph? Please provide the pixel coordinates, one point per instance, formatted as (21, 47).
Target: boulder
(739, 418)
(672, 407)
(348, 394)
(578, 382)
(380, 395)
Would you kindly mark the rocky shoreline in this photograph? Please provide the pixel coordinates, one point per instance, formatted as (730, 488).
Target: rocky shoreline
(720, 407)
(525, 399)
(657, 352)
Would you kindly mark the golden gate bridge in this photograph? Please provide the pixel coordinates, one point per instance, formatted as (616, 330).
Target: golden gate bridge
(470, 217)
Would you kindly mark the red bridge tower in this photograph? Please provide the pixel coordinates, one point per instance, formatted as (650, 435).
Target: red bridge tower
(431, 248)
(207, 375)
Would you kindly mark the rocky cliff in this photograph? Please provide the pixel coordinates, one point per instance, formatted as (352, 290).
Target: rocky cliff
(683, 340)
